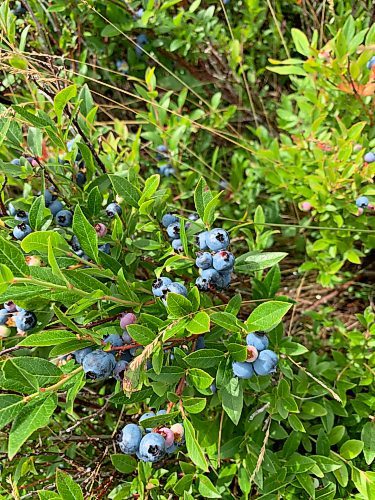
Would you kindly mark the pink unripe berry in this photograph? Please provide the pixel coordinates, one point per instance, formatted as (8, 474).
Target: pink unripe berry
(127, 319)
(101, 229)
(252, 353)
(178, 431)
(167, 435)
(359, 211)
(306, 206)
(357, 147)
(371, 206)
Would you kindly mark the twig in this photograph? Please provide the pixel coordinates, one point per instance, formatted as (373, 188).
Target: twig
(267, 426)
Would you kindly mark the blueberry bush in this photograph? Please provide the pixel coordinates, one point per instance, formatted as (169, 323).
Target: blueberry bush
(186, 241)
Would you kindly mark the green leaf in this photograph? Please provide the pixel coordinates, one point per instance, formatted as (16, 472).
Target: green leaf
(209, 210)
(32, 417)
(34, 140)
(141, 334)
(204, 358)
(85, 233)
(70, 346)
(124, 463)
(6, 277)
(42, 370)
(238, 352)
(151, 185)
(135, 397)
(292, 348)
(226, 320)
(178, 305)
(52, 259)
(255, 261)
(232, 399)
(61, 100)
(301, 42)
(368, 437)
(38, 242)
(87, 158)
(68, 489)
(12, 256)
(194, 450)
(287, 70)
(159, 419)
(266, 316)
(37, 121)
(202, 196)
(10, 406)
(364, 482)
(126, 190)
(36, 213)
(206, 488)
(199, 378)
(199, 324)
(94, 201)
(351, 449)
(194, 405)
(48, 338)
(272, 281)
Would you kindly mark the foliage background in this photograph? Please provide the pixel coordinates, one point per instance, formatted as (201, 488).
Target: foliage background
(264, 100)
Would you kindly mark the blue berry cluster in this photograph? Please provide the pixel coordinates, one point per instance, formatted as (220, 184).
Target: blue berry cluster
(150, 445)
(163, 285)
(172, 224)
(165, 168)
(260, 359)
(13, 315)
(214, 261)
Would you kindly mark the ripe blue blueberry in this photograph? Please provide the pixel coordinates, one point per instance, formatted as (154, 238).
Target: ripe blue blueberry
(169, 219)
(201, 240)
(223, 184)
(223, 261)
(105, 248)
(178, 288)
(81, 353)
(177, 246)
(159, 286)
(22, 230)
(141, 40)
(225, 279)
(139, 13)
(200, 344)
(22, 216)
(362, 202)
(81, 178)
(369, 157)
(99, 365)
(146, 415)
(204, 260)
(166, 170)
(129, 439)
(193, 217)
(120, 369)
(114, 340)
(209, 278)
(64, 218)
(266, 362)
(213, 388)
(56, 206)
(173, 230)
(371, 62)
(113, 209)
(74, 242)
(16, 161)
(171, 449)
(161, 412)
(49, 196)
(152, 447)
(25, 320)
(122, 66)
(126, 338)
(162, 152)
(4, 315)
(217, 239)
(202, 284)
(258, 340)
(10, 306)
(242, 370)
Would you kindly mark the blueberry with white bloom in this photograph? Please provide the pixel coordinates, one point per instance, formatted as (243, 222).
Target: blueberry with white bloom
(217, 239)
(129, 439)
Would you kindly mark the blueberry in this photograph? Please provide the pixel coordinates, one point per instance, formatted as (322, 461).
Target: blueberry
(369, 157)
(166, 170)
(223, 261)
(177, 288)
(149, 414)
(81, 178)
(202, 284)
(371, 62)
(177, 246)
(173, 230)
(122, 66)
(257, 339)
(162, 152)
(99, 365)
(101, 229)
(81, 353)
(266, 362)
(11, 209)
(225, 279)
(105, 248)
(210, 277)
(169, 219)
(4, 315)
(193, 217)
(159, 286)
(140, 41)
(120, 369)
(126, 356)
(25, 320)
(200, 343)
(64, 218)
(16, 161)
(243, 370)
(204, 260)
(114, 340)
(113, 209)
(56, 206)
(152, 447)
(126, 338)
(22, 230)
(74, 243)
(139, 13)
(362, 202)
(10, 306)
(223, 184)
(70, 145)
(171, 449)
(213, 388)
(201, 240)
(129, 439)
(127, 319)
(49, 196)
(217, 239)
(22, 216)
(161, 412)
